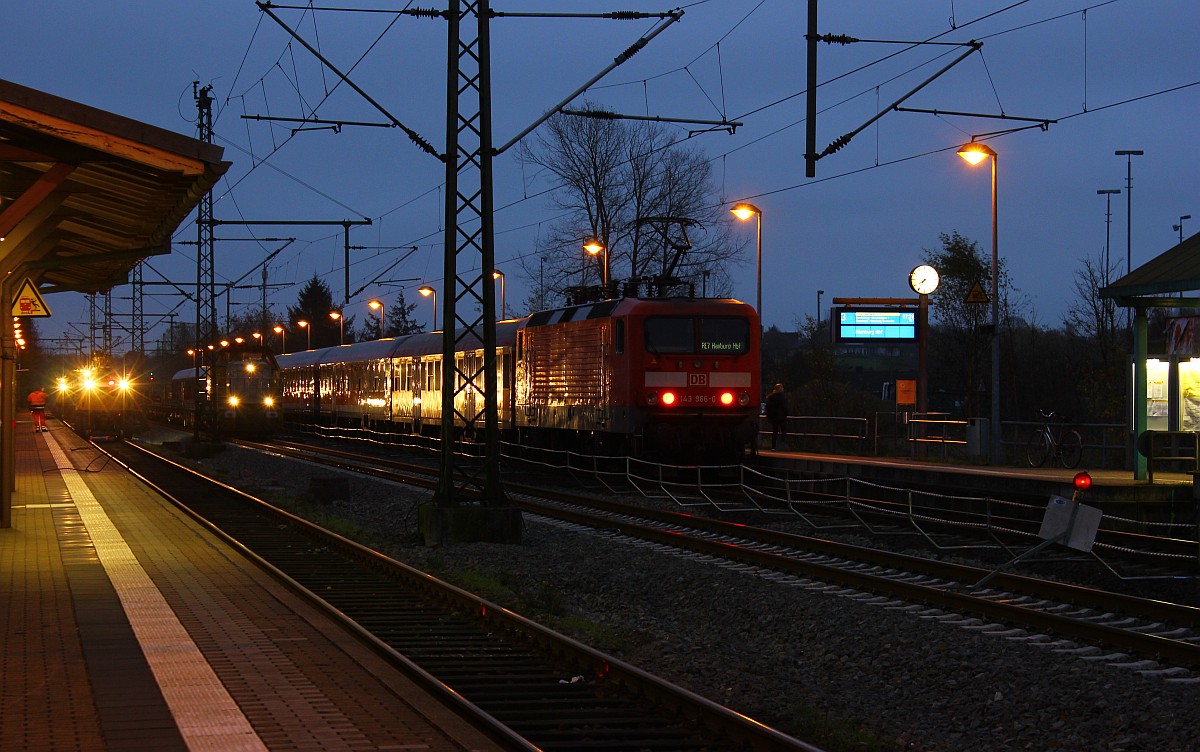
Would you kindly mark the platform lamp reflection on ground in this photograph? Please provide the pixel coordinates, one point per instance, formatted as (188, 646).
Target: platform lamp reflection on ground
(377, 305)
(427, 292)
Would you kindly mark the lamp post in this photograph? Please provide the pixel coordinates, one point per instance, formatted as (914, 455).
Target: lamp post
(304, 325)
(377, 305)
(497, 274)
(278, 329)
(1179, 226)
(1129, 154)
(744, 212)
(819, 319)
(337, 316)
(595, 248)
(1108, 193)
(974, 153)
(428, 291)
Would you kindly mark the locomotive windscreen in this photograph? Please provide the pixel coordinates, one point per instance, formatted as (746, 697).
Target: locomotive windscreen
(709, 335)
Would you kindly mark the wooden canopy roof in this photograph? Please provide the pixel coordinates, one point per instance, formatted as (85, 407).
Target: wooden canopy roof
(86, 194)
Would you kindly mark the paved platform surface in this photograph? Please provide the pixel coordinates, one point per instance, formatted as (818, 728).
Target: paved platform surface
(124, 625)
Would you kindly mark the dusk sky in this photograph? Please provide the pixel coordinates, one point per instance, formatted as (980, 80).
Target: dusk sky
(1119, 75)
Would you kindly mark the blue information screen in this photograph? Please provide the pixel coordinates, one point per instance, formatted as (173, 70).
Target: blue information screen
(876, 324)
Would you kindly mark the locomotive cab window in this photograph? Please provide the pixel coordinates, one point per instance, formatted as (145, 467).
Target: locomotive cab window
(724, 336)
(670, 336)
(704, 336)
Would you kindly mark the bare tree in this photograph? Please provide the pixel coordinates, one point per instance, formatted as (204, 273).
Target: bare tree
(647, 198)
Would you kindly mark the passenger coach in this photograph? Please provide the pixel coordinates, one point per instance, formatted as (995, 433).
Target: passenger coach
(668, 376)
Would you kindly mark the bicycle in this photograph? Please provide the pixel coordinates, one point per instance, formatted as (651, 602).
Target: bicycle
(1066, 446)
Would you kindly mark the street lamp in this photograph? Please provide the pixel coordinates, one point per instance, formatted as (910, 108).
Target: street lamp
(497, 274)
(278, 329)
(744, 212)
(428, 291)
(304, 325)
(377, 305)
(337, 316)
(975, 153)
(1179, 226)
(595, 248)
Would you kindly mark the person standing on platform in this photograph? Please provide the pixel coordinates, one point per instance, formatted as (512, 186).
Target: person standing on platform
(37, 408)
(777, 412)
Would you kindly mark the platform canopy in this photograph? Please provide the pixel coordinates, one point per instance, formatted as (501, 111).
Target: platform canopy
(86, 194)
(1176, 270)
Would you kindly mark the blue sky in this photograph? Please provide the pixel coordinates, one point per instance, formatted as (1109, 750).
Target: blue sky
(855, 230)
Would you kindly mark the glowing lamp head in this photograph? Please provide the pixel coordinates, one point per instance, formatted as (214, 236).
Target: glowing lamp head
(233, 401)
(745, 211)
(669, 398)
(251, 368)
(593, 247)
(89, 384)
(269, 401)
(976, 152)
(123, 385)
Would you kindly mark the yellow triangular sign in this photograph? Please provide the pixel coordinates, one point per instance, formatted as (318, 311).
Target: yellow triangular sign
(977, 295)
(28, 301)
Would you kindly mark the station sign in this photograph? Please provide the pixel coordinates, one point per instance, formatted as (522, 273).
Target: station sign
(875, 325)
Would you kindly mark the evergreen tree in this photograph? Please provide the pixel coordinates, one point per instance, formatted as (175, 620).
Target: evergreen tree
(313, 305)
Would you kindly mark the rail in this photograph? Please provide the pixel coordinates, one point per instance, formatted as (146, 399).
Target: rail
(997, 524)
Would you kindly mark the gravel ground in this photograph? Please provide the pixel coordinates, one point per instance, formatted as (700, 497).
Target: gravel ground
(825, 668)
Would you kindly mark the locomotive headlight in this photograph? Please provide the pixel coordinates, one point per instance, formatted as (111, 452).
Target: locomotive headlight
(251, 368)
(89, 384)
(668, 398)
(652, 398)
(744, 399)
(269, 401)
(726, 398)
(123, 385)
(233, 401)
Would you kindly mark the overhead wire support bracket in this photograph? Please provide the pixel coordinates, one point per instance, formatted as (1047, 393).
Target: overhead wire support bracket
(670, 17)
(605, 115)
(1044, 122)
(337, 124)
(413, 136)
(841, 141)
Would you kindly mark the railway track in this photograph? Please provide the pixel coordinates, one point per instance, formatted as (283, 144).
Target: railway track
(526, 686)
(1152, 636)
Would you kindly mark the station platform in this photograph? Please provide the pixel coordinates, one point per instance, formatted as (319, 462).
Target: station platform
(124, 625)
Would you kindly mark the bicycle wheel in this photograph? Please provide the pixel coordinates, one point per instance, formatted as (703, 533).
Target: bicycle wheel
(1070, 448)
(1037, 449)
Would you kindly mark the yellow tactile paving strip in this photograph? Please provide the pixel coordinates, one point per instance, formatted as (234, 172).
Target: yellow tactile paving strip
(301, 683)
(206, 715)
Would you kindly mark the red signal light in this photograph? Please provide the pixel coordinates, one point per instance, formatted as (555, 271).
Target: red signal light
(1083, 481)
(668, 398)
(726, 398)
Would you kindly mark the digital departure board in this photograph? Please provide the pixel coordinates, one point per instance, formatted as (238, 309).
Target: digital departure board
(875, 324)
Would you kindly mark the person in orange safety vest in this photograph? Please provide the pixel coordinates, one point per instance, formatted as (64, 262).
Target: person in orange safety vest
(37, 408)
